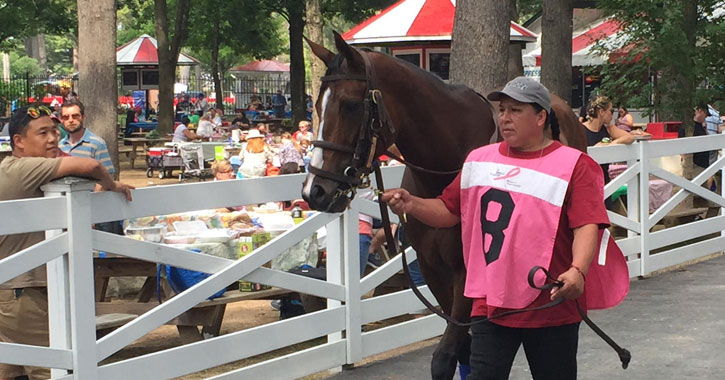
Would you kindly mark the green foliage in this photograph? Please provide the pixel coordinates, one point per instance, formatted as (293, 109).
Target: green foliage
(528, 9)
(655, 41)
(20, 65)
(59, 51)
(355, 11)
(134, 18)
(21, 18)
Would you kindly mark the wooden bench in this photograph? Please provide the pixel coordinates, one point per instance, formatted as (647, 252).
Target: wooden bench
(106, 323)
(682, 216)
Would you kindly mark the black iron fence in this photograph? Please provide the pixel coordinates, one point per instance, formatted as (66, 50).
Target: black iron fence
(17, 91)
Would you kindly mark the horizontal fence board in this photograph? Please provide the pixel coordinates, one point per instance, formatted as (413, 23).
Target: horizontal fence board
(680, 255)
(194, 196)
(293, 366)
(228, 348)
(394, 304)
(401, 334)
(613, 153)
(660, 148)
(25, 355)
(30, 215)
(683, 232)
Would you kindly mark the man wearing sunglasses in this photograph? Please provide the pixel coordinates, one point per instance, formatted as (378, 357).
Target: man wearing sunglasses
(81, 142)
(36, 160)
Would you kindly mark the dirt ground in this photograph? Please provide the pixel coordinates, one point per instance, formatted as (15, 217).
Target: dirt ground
(238, 316)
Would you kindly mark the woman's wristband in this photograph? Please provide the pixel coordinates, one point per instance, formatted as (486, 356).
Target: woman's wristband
(579, 270)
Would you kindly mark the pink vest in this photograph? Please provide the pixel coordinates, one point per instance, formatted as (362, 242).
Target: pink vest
(516, 195)
(519, 195)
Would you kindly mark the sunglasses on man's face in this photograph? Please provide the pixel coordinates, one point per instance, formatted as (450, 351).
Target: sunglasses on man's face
(75, 116)
(36, 112)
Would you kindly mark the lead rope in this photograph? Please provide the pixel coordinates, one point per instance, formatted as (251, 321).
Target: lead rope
(624, 355)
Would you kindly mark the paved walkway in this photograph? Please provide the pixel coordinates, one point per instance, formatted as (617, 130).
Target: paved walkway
(673, 323)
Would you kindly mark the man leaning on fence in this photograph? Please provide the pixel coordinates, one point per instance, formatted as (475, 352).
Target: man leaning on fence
(36, 160)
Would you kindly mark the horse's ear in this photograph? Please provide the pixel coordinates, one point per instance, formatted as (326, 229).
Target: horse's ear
(351, 55)
(320, 52)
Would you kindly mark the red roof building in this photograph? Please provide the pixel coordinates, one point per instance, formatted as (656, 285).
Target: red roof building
(419, 31)
(264, 65)
(144, 51)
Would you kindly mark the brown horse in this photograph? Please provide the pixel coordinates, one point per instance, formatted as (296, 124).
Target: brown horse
(369, 101)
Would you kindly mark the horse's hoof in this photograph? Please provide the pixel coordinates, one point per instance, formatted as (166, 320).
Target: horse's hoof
(443, 366)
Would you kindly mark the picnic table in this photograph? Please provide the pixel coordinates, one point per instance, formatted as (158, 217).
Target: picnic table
(208, 314)
(141, 142)
(141, 127)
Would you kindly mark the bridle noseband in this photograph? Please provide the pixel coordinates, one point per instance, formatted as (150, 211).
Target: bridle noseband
(376, 127)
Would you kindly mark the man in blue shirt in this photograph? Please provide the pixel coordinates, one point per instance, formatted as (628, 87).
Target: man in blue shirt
(278, 103)
(81, 142)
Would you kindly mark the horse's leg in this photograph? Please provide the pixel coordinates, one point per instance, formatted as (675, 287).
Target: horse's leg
(445, 276)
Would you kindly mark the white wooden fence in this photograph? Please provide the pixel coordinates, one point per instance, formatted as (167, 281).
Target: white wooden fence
(69, 209)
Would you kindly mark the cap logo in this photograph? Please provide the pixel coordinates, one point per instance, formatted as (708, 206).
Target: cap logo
(520, 86)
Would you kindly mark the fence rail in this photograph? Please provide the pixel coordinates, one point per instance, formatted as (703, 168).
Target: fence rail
(75, 352)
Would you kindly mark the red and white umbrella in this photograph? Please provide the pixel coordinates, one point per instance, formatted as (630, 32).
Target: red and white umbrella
(416, 20)
(582, 45)
(144, 51)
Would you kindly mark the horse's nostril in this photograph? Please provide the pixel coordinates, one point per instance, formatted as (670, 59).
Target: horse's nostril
(317, 192)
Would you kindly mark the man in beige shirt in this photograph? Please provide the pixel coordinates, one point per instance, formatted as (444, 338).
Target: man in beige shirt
(36, 160)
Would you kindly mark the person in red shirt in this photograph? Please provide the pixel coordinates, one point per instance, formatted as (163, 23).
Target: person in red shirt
(549, 336)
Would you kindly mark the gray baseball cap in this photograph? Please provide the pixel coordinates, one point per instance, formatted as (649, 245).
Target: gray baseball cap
(525, 90)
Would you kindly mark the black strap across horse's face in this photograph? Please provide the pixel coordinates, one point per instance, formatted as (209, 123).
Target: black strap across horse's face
(376, 127)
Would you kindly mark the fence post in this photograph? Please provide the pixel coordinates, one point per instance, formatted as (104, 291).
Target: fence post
(80, 284)
(27, 87)
(643, 207)
(351, 243)
(58, 294)
(335, 265)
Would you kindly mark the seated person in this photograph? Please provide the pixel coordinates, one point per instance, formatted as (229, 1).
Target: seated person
(255, 156)
(218, 114)
(205, 128)
(241, 121)
(303, 131)
(624, 121)
(182, 132)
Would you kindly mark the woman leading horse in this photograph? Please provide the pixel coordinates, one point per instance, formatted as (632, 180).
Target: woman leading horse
(369, 101)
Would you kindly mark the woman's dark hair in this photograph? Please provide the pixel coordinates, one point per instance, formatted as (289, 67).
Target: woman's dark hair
(551, 121)
(185, 120)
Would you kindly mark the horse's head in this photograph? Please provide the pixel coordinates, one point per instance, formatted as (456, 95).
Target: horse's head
(354, 127)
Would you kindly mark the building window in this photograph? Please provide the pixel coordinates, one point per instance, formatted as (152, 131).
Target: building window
(410, 58)
(439, 63)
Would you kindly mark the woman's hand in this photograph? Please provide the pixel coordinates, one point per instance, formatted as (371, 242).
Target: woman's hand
(573, 285)
(399, 200)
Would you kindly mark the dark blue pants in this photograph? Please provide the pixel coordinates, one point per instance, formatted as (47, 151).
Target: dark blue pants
(550, 351)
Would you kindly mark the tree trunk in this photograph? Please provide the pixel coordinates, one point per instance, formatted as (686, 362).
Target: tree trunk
(168, 57)
(215, 62)
(98, 88)
(35, 48)
(479, 50)
(556, 31)
(317, 67)
(515, 61)
(297, 60)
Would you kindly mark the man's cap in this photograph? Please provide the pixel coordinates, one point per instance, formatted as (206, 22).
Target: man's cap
(525, 90)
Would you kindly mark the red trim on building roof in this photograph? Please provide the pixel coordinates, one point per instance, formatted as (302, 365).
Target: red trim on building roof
(435, 18)
(589, 37)
(524, 32)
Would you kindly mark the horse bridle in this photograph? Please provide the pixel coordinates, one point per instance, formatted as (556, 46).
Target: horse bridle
(376, 127)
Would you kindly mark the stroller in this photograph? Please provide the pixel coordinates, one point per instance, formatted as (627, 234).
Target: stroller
(193, 158)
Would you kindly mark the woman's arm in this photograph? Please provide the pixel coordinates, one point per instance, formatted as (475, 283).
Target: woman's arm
(430, 211)
(619, 136)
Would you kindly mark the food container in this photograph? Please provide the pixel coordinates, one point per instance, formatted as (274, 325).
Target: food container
(190, 227)
(152, 234)
(177, 239)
